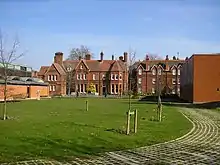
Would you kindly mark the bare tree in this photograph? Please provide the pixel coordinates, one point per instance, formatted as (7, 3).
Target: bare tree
(75, 53)
(154, 56)
(7, 57)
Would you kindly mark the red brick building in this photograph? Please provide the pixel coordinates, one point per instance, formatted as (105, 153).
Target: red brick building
(151, 76)
(67, 76)
(200, 78)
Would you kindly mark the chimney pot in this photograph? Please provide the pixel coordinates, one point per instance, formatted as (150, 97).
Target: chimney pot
(101, 56)
(112, 57)
(125, 57)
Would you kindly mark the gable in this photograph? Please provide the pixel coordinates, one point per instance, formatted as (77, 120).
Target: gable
(82, 65)
(55, 68)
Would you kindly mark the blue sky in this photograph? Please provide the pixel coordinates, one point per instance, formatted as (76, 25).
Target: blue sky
(159, 27)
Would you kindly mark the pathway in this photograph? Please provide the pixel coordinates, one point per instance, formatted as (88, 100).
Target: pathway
(200, 146)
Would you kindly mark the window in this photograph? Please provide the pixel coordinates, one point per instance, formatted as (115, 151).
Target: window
(173, 91)
(81, 67)
(178, 71)
(55, 78)
(148, 67)
(120, 87)
(48, 78)
(139, 81)
(112, 76)
(81, 88)
(103, 76)
(140, 71)
(78, 88)
(85, 86)
(93, 76)
(54, 88)
(96, 88)
(139, 90)
(178, 80)
(153, 81)
(116, 77)
(154, 71)
(116, 88)
(52, 77)
(84, 76)
(81, 76)
(120, 76)
(178, 90)
(159, 71)
(113, 88)
(173, 81)
(78, 76)
(153, 90)
(50, 88)
(174, 71)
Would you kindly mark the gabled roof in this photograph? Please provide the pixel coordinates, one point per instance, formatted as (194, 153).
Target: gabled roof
(43, 70)
(59, 69)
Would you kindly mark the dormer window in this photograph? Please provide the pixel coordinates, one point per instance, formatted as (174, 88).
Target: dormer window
(178, 71)
(174, 72)
(140, 71)
(159, 71)
(154, 71)
(81, 67)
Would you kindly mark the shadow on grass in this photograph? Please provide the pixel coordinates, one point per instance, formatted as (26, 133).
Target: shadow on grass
(177, 102)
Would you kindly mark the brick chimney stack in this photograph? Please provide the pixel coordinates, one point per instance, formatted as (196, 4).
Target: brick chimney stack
(125, 57)
(58, 58)
(88, 56)
(101, 56)
(113, 57)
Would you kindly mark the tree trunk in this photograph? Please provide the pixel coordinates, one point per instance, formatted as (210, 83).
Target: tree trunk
(5, 101)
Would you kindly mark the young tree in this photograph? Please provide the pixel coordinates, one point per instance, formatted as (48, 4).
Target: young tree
(7, 57)
(131, 78)
(75, 53)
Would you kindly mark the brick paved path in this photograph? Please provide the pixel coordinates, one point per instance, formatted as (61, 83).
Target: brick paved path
(200, 146)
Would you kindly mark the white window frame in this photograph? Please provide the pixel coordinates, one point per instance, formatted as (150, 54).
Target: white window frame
(120, 76)
(93, 76)
(173, 81)
(84, 76)
(139, 80)
(152, 90)
(112, 76)
(140, 72)
(81, 67)
(178, 71)
(153, 71)
(78, 76)
(173, 91)
(52, 77)
(153, 81)
(50, 88)
(81, 76)
(159, 71)
(178, 80)
(48, 77)
(103, 76)
(174, 72)
(116, 76)
(55, 77)
(113, 88)
(54, 88)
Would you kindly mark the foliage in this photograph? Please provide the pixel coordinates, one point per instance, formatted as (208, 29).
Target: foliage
(75, 53)
(91, 88)
(66, 130)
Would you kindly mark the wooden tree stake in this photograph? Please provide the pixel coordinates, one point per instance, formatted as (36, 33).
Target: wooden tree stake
(135, 121)
(128, 122)
(87, 105)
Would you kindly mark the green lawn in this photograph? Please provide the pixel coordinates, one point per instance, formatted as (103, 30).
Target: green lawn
(61, 128)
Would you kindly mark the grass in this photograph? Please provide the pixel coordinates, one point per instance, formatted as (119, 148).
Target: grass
(62, 128)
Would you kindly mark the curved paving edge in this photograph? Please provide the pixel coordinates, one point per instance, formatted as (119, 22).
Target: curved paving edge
(199, 146)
